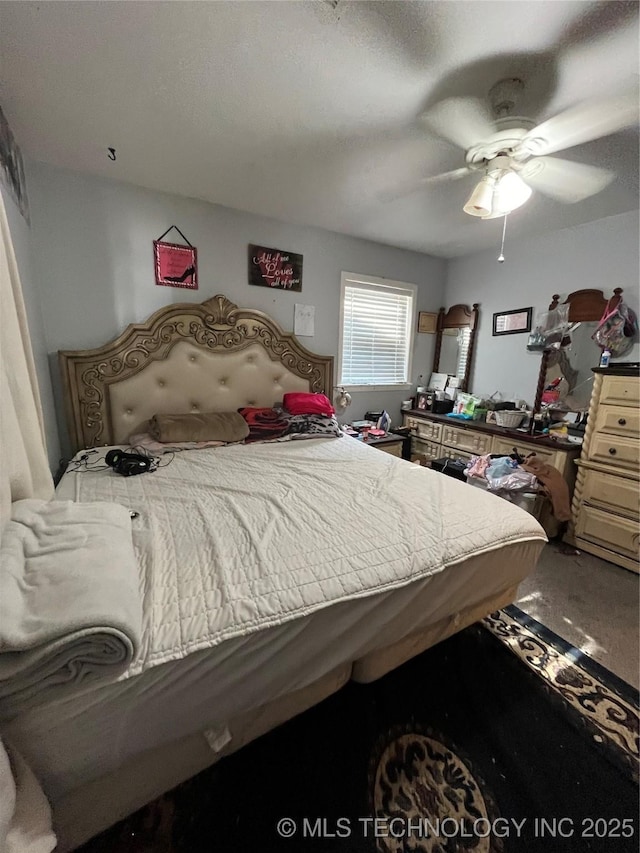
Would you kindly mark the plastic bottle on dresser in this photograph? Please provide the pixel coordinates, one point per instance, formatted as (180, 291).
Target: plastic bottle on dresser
(604, 358)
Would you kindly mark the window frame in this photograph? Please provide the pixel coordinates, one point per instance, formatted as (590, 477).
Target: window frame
(371, 282)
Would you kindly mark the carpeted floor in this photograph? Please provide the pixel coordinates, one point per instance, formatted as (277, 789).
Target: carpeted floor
(590, 602)
(503, 738)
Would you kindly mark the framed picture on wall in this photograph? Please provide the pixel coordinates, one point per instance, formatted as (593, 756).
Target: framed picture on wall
(512, 322)
(12, 167)
(175, 264)
(427, 322)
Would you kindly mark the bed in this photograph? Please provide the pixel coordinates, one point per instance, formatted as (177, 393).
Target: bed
(270, 574)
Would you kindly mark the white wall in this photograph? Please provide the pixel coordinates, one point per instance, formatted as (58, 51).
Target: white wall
(21, 238)
(93, 255)
(601, 255)
(91, 242)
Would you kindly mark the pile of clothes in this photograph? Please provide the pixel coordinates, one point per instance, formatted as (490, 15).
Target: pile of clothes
(510, 476)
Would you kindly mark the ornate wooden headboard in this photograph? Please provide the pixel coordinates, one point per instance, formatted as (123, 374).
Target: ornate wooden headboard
(203, 357)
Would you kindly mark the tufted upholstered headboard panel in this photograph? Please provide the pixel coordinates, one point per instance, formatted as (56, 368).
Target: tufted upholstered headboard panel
(204, 357)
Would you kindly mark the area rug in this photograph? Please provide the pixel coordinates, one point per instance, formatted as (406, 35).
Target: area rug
(503, 738)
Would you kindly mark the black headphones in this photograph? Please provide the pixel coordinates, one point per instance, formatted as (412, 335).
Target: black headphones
(128, 464)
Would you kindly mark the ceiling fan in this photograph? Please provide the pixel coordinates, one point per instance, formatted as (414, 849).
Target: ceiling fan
(512, 153)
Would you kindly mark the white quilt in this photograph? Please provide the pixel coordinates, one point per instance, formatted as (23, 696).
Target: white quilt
(235, 539)
(70, 609)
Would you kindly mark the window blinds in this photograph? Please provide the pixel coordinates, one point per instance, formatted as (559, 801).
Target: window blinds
(376, 334)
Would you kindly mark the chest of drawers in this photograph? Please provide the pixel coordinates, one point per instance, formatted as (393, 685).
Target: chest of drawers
(606, 501)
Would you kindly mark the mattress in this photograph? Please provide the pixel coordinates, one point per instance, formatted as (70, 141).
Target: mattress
(382, 547)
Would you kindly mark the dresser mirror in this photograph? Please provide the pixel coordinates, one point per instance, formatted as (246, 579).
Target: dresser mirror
(455, 341)
(565, 380)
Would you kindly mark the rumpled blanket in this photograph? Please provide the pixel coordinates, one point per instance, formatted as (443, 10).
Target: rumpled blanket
(205, 426)
(25, 814)
(70, 600)
(264, 424)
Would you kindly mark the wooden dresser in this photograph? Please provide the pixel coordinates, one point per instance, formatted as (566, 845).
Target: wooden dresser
(437, 437)
(606, 500)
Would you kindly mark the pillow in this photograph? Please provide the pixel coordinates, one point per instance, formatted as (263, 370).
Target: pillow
(313, 426)
(264, 424)
(205, 426)
(145, 441)
(298, 403)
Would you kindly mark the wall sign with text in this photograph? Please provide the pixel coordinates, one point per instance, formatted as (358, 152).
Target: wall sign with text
(275, 268)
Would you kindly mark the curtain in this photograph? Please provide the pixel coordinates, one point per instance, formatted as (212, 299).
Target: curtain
(24, 467)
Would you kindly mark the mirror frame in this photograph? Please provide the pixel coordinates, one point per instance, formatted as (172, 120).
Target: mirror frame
(584, 306)
(457, 317)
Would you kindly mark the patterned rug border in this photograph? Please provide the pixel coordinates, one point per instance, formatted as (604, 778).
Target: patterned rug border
(596, 699)
(618, 685)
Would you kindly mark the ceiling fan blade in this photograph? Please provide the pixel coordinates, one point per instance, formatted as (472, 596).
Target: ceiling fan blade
(463, 121)
(582, 123)
(565, 180)
(420, 183)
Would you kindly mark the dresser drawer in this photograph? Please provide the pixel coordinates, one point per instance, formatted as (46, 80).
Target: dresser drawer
(428, 430)
(618, 420)
(611, 531)
(615, 451)
(476, 443)
(452, 453)
(427, 448)
(608, 492)
(620, 390)
(506, 446)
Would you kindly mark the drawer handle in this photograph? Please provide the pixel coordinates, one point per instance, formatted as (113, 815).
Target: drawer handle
(612, 451)
(622, 421)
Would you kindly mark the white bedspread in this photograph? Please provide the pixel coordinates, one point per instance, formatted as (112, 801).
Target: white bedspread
(25, 814)
(69, 600)
(233, 540)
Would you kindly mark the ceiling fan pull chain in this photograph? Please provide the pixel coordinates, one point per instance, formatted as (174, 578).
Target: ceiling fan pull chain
(504, 231)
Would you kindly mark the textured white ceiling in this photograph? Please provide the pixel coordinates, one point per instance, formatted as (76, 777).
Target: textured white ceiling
(305, 113)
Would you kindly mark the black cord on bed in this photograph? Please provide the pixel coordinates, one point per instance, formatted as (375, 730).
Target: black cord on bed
(155, 460)
(84, 465)
(172, 453)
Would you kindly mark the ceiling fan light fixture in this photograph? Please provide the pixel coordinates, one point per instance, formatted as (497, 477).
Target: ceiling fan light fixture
(511, 193)
(480, 201)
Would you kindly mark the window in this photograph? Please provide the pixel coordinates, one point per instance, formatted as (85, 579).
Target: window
(376, 333)
(464, 336)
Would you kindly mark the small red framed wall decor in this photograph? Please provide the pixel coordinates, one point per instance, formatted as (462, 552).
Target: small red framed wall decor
(175, 265)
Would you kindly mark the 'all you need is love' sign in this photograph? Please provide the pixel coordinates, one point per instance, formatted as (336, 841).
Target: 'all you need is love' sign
(275, 268)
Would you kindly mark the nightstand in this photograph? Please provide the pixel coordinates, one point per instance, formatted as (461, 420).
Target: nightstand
(389, 443)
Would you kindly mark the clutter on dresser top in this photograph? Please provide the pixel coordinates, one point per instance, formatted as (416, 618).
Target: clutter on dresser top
(554, 421)
(374, 425)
